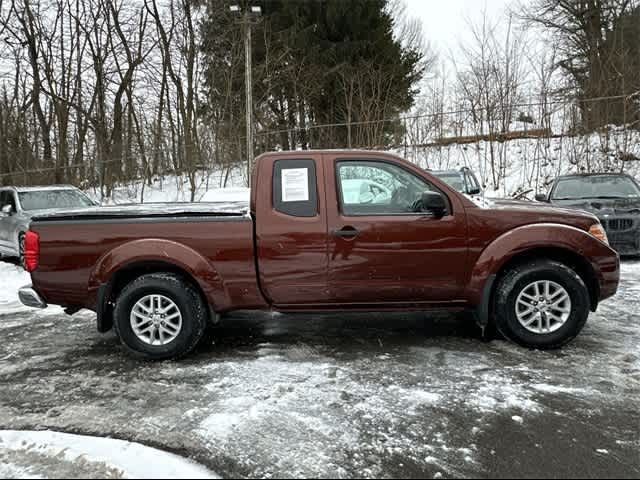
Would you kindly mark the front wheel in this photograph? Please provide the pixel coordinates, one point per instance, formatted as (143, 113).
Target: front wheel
(543, 304)
(160, 316)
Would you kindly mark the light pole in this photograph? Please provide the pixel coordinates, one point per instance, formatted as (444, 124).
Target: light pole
(247, 18)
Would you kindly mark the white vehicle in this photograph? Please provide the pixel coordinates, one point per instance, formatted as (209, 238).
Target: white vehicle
(361, 190)
(19, 204)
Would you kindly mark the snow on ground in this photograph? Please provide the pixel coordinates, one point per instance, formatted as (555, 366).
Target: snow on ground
(12, 277)
(238, 194)
(45, 454)
(358, 395)
(172, 188)
(362, 395)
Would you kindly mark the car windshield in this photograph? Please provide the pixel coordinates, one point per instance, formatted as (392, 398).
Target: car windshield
(52, 199)
(598, 186)
(452, 179)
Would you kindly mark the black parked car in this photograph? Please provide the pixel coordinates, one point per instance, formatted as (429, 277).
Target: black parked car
(613, 198)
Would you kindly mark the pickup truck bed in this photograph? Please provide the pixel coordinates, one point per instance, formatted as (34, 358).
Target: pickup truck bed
(149, 212)
(192, 237)
(325, 230)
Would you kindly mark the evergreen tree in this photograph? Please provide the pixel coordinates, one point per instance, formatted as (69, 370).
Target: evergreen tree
(314, 62)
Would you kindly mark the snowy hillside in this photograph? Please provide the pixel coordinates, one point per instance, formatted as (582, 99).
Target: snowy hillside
(521, 167)
(527, 166)
(210, 187)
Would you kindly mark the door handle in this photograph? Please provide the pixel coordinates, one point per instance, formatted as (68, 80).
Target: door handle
(346, 232)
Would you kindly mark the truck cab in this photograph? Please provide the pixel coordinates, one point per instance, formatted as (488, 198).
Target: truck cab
(350, 246)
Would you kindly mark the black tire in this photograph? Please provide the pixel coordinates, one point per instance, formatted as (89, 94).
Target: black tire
(191, 305)
(515, 281)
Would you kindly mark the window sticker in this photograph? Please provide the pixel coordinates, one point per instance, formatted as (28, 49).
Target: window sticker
(295, 185)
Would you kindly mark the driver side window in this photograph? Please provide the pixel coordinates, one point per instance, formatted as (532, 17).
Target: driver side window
(377, 188)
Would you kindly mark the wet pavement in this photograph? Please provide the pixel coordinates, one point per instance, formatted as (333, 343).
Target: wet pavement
(349, 395)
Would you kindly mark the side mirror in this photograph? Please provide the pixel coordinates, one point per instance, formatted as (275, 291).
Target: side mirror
(541, 197)
(474, 191)
(7, 211)
(433, 202)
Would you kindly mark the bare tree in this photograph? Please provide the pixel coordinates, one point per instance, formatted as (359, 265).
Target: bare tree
(491, 81)
(597, 48)
(182, 68)
(28, 33)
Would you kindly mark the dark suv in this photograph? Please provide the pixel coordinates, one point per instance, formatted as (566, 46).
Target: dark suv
(463, 180)
(613, 198)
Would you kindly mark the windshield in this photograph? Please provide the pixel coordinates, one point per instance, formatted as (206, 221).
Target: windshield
(452, 179)
(52, 199)
(604, 186)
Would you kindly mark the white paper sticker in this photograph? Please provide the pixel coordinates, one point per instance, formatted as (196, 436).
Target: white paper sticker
(295, 184)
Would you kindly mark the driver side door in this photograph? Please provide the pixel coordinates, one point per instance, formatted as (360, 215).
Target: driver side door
(381, 251)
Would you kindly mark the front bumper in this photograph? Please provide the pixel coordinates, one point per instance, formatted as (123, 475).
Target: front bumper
(30, 298)
(624, 234)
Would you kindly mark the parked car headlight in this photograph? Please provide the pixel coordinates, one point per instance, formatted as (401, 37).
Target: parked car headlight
(598, 231)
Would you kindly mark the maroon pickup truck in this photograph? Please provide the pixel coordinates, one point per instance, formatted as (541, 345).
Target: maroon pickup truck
(325, 231)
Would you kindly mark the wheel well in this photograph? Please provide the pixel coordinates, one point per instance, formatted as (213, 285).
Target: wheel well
(571, 259)
(128, 274)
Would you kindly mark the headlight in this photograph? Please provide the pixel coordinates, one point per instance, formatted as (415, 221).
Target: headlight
(599, 232)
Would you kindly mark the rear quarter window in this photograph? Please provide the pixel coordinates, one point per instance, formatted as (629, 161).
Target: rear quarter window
(295, 187)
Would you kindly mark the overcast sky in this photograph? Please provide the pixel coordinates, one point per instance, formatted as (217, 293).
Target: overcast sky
(447, 20)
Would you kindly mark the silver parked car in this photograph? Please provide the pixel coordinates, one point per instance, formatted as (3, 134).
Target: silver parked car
(18, 205)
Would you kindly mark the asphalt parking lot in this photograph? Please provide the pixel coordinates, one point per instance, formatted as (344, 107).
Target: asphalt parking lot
(366, 395)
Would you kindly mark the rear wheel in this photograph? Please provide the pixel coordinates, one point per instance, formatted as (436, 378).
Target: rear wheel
(160, 316)
(542, 304)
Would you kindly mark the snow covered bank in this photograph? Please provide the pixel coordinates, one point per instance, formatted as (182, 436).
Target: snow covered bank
(58, 455)
(238, 194)
(213, 186)
(527, 166)
(524, 167)
(12, 277)
(521, 167)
